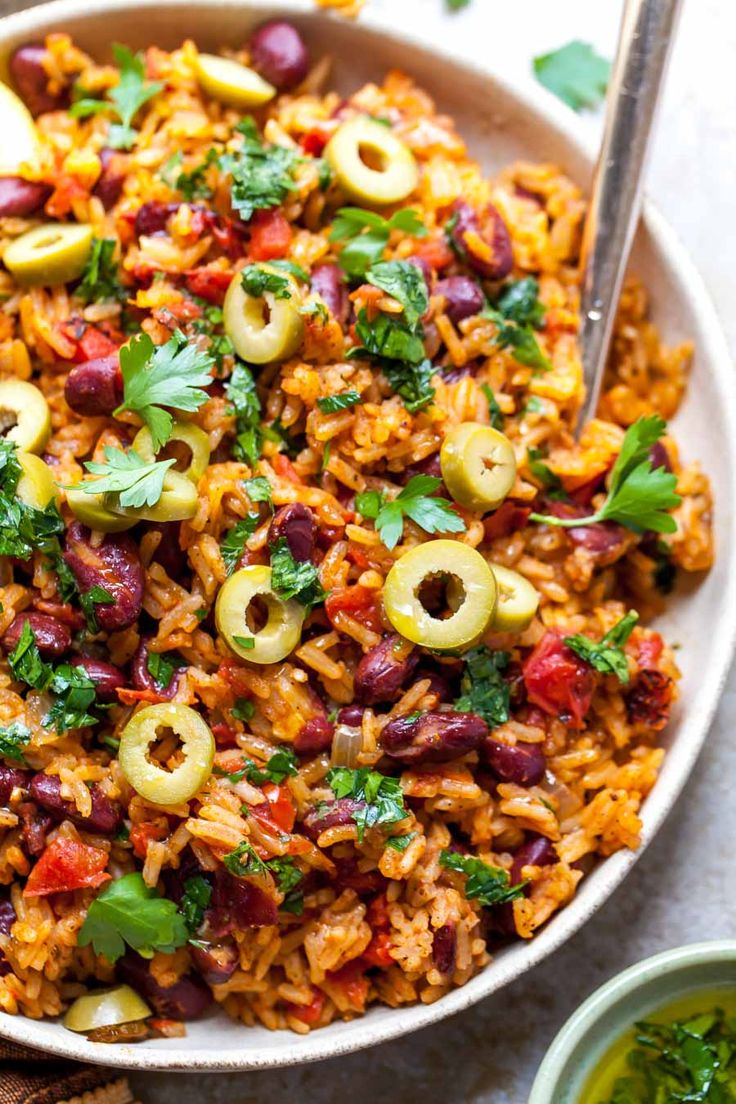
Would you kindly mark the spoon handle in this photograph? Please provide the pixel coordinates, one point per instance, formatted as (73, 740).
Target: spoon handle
(644, 42)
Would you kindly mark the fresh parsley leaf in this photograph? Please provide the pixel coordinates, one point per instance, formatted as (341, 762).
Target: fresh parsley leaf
(366, 235)
(127, 475)
(457, 5)
(65, 580)
(161, 667)
(484, 690)
(574, 73)
(10, 469)
(387, 338)
(171, 375)
(413, 382)
(282, 764)
(489, 885)
(256, 280)
(233, 544)
(259, 489)
(99, 281)
(243, 709)
(292, 579)
(330, 404)
(288, 876)
(127, 911)
(96, 595)
(243, 397)
(542, 473)
(497, 418)
(193, 185)
(13, 737)
(607, 655)
(416, 501)
(405, 283)
(519, 302)
(383, 796)
(74, 695)
(24, 528)
(25, 661)
(124, 100)
(400, 843)
(244, 862)
(196, 898)
(639, 498)
(247, 642)
(517, 313)
(261, 176)
(292, 268)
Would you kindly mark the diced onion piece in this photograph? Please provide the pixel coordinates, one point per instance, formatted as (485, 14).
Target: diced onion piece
(347, 744)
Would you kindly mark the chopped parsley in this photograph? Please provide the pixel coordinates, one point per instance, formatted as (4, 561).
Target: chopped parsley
(127, 475)
(233, 543)
(400, 843)
(575, 74)
(192, 185)
(292, 579)
(161, 667)
(607, 655)
(288, 876)
(99, 281)
(74, 695)
(24, 528)
(256, 280)
(639, 497)
(171, 375)
(544, 474)
(365, 235)
(261, 176)
(488, 885)
(517, 313)
(96, 596)
(13, 737)
(127, 911)
(243, 398)
(244, 862)
(124, 100)
(196, 898)
(484, 691)
(259, 489)
(243, 709)
(282, 764)
(497, 418)
(331, 404)
(25, 661)
(383, 796)
(416, 501)
(405, 283)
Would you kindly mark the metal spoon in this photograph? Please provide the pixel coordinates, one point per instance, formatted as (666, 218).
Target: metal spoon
(647, 30)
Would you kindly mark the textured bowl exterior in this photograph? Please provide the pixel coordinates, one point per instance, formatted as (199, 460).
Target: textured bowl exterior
(500, 123)
(611, 1011)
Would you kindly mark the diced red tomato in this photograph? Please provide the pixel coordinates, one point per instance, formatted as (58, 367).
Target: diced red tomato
(142, 834)
(280, 809)
(352, 980)
(67, 864)
(209, 283)
(377, 914)
(650, 649)
(270, 235)
(505, 520)
(559, 681)
(314, 141)
(435, 251)
(358, 601)
(283, 466)
(132, 697)
(378, 951)
(95, 344)
(358, 557)
(224, 735)
(308, 1013)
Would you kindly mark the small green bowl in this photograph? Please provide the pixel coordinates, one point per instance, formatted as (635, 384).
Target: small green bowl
(613, 1009)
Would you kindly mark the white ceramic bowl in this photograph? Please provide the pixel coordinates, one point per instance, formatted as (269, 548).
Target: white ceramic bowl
(500, 124)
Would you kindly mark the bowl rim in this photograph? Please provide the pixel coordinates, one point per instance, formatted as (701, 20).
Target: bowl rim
(631, 980)
(366, 1031)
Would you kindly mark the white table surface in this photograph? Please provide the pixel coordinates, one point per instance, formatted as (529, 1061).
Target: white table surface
(680, 890)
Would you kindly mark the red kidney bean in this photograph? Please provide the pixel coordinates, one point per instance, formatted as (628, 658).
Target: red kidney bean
(331, 815)
(523, 764)
(494, 232)
(7, 919)
(328, 282)
(53, 637)
(106, 816)
(115, 564)
(659, 457)
(151, 217)
(31, 80)
(107, 678)
(215, 962)
(649, 699)
(383, 670)
(10, 777)
(95, 386)
(348, 875)
(314, 736)
(186, 999)
(433, 737)
(278, 52)
(109, 186)
(351, 715)
(444, 945)
(439, 685)
(463, 297)
(535, 851)
(19, 198)
(294, 524)
(238, 903)
(143, 679)
(35, 826)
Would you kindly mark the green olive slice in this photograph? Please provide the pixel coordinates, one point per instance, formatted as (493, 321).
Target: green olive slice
(36, 486)
(263, 328)
(283, 625)
(231, 83)
(25, 417)
(178, 501)
(517, 600)
(54, 253)
(470, 595)
(152, 782)
(194, 439)
(478, 466)
(370, 163)
(105, 1008)
(90, 509)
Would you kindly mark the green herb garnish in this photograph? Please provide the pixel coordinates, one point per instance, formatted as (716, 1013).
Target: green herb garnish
(575, 74)
(124, 100)
(416, 501)
(607, 655)
(127, 911)
(488, 885)
(261, 176)
(292, 579)
(383, 796)
(366, 235)
(484, 690)
(331, 404)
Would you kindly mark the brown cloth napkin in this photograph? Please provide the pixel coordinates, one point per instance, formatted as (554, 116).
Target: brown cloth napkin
(32, 1077)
